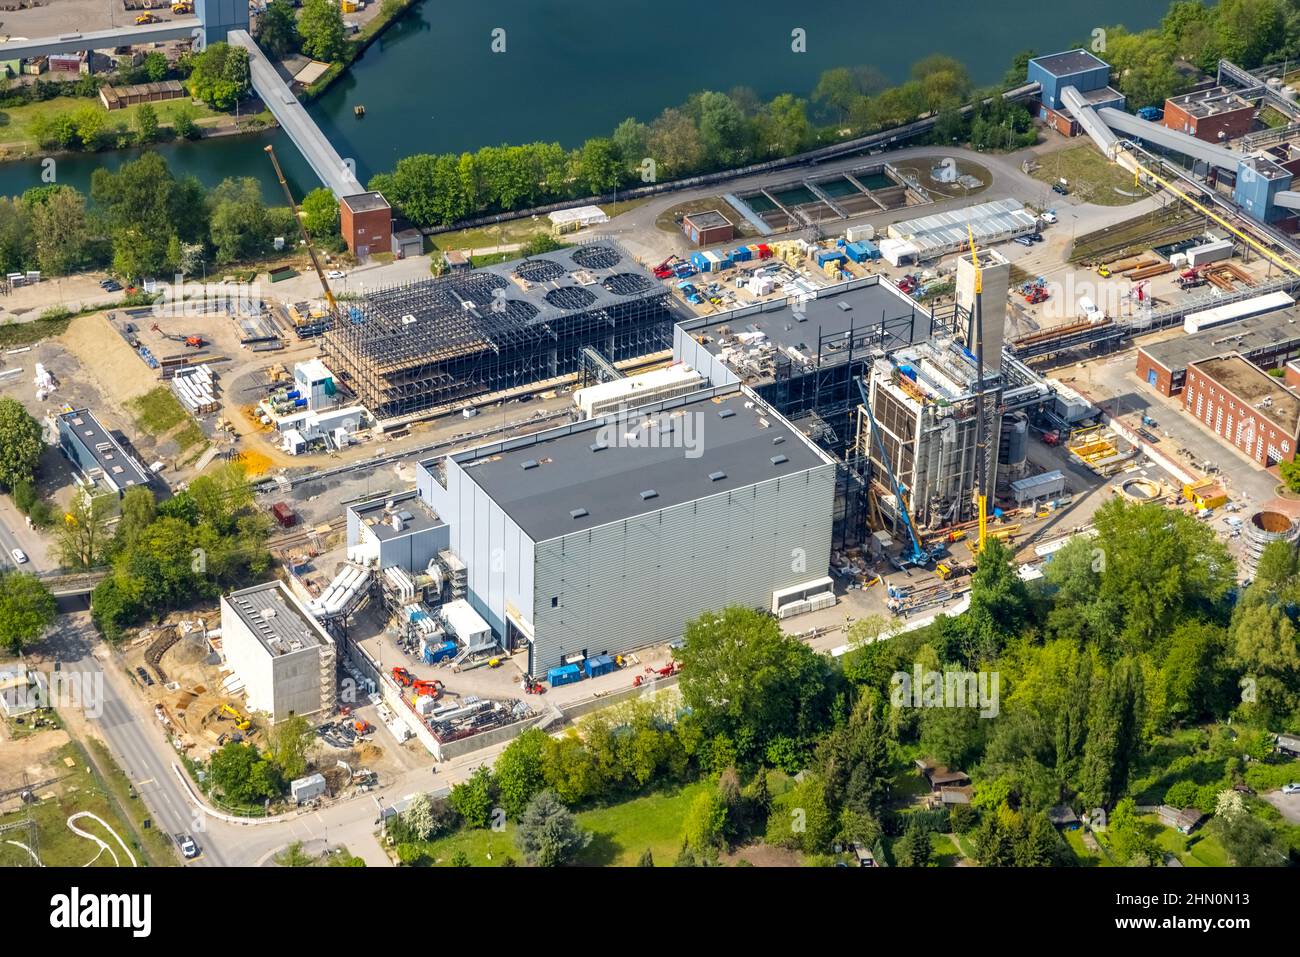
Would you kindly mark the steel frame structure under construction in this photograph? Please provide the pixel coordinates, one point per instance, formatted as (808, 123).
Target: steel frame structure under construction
(410, 348)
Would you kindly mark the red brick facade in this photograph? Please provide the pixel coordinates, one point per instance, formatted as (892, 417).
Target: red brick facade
(366, 221)
(1236, 422)
(1157, 376)
(1231, 123)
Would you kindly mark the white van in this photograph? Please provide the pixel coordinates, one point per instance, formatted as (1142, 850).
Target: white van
(1088, 310)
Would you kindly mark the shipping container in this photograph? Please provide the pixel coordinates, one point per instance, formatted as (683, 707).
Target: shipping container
(564, 675)
(741, 254)
(599, 665)
(284, 515)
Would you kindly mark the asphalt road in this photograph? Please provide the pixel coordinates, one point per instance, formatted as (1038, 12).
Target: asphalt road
(134, 737)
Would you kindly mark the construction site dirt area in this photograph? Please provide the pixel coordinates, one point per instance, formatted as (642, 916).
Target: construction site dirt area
(29, 759)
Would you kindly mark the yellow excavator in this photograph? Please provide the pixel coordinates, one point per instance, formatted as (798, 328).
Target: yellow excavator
(242, 723)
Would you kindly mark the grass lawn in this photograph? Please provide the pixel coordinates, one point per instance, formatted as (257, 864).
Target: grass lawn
(16, 334)
(158, 412)
(946, 852)
(621, 833)
(56, 844)
(16, 121)
(669, 219)
(1198, 849)
(499, 234)
(1085, 856)
(1091, 177)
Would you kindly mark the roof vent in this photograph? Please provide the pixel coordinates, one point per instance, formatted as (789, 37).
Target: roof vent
(778, 459)
(578, 513)
(530, 464)
(726, 413)
(717, 476)
(844, 306)
(649, 494)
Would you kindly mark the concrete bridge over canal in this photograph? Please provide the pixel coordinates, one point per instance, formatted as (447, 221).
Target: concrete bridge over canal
(367, 220)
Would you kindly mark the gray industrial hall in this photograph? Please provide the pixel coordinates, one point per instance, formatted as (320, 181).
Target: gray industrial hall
(610, 534)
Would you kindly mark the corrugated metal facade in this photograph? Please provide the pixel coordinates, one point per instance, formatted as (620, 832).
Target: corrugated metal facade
(622, 586)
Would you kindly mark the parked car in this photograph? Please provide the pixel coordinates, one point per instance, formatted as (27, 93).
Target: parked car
(335, 274)
(1035, 237)
(1292, 788)
(20, 556)
(189, 849)
(1024, 241)
(1048, 217)
(1060, 188)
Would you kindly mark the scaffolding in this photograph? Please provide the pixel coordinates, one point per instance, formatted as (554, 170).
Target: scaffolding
(422, 345)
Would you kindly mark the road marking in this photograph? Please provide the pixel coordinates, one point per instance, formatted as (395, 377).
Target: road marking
(141, 784)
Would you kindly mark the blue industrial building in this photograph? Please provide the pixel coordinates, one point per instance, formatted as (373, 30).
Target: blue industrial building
(1076, 68)
(1259, 180)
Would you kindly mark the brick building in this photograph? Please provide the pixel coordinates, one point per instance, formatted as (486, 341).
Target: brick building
(366, 220)
(1212, 115)
(1267, 340)
(707, 228)
(1245, 406)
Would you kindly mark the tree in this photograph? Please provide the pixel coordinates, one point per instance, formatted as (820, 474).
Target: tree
(705, 823)
(744, 677)
(837, 91)
(1115, 719)
(539, 243)
(915, 849)
(321, 29)
(243, 775)
(1128, 836)
(26, 609)
(146, 123)
(426, 817)
(290, 741)
(83, 536)
(599, 165)
(320, 214)
(944, 81)
(549, 835)
(802, 817)
(277, 29)
(20, 443)
(62, 231)
(520, 771)
(183, 122)
(472, 798)
(782, 127)
(999, 602)
(724, 132)
(1249, 841)
(138, 510)
(854, 760)
(142, 206)
(220, 76)
(155, 66)
(674, 144)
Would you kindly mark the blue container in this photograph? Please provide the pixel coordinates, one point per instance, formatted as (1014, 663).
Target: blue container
(699, 261)
(599, 665)
(861, 251)
(741, 254)
(293, 394)
(441, 652)
(829, 255)
(564, 675)
(300, 403)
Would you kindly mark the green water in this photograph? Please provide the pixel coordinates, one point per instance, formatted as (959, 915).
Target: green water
(574, 68)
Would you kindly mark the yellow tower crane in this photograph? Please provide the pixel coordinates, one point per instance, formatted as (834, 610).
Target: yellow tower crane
(302, 231)
(977, 328)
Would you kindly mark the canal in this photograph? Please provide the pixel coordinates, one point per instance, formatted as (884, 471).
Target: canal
(571, 69)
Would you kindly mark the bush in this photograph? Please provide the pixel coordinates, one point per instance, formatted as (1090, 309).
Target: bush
(1270, 777)
(1181, 794)
(473, 798)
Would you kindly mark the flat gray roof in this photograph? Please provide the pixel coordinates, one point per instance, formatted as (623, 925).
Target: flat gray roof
(562, 481)
(414, 511)
(869, 304)
(1069, 62)
(710, 219)
(1265, 333)
(123, 470)
(286, 629)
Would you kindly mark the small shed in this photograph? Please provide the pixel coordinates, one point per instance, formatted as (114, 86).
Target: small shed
(456, 261)
(307, 789)
(598, 665)
(1037, 488)
(949, 796)
(708, 227)
(1184, 820)
(1289, 744)
(1062, 815)
(408, 242)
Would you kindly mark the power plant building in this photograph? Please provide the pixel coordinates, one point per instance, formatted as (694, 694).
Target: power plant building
(610, 534)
